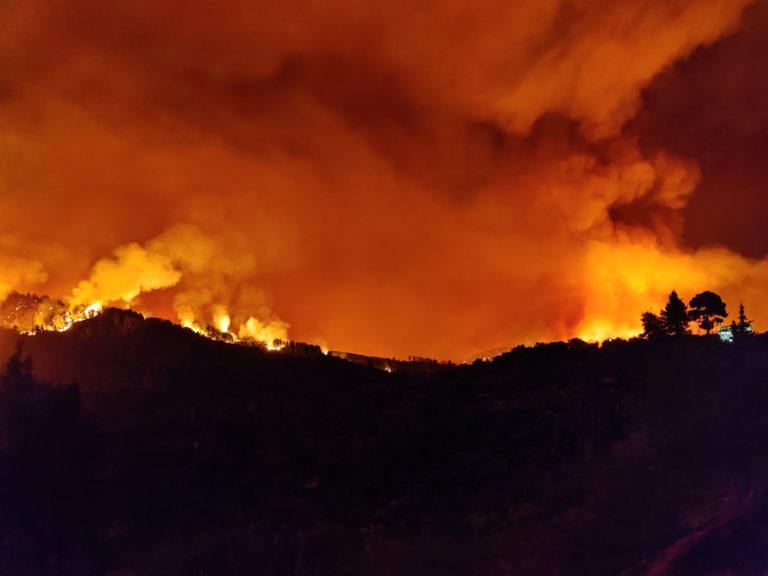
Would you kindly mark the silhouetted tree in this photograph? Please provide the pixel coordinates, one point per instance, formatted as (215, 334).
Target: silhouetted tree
(744, 326)
(708, 310)
(675, 316)
(653, 326)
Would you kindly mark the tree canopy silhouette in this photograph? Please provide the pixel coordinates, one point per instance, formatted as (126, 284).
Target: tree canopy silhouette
(673, 320)
(675, 316)
(744, 326)
(707, 310)
(653, 326)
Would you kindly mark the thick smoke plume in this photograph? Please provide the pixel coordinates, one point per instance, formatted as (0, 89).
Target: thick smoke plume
(434, 179)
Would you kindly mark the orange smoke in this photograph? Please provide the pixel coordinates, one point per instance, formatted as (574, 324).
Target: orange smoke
(630, 277)
(436, 180)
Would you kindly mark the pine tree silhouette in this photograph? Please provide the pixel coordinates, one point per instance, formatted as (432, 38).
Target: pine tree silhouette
(744, 326)
(675, 316)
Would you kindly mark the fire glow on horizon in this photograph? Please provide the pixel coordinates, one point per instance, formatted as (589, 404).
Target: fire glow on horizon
(29, 314)
(391, 181)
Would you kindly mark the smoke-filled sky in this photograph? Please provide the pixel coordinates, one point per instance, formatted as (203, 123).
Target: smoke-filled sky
(435, 178)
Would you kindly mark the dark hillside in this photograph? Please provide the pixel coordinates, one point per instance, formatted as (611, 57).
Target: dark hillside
(180, 455)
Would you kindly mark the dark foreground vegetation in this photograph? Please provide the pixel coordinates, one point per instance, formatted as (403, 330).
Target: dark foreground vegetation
(177, 455)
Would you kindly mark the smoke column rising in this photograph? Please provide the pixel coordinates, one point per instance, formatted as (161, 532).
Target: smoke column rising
(436, 179)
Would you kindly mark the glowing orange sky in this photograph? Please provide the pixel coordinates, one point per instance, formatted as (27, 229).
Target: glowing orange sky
(439, 178)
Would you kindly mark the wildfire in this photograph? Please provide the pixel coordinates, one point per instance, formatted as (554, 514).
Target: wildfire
(272, 335)
(30, 314)
(221, 320)
(93, 310)
(600, 331)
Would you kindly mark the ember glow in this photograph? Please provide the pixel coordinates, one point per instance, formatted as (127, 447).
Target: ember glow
(389, 180)
(30, 314)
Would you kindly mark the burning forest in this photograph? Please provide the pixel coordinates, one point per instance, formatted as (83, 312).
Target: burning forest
(30, 314)
(337, 287)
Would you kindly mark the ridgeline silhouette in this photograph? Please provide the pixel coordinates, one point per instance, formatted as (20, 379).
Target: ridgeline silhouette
(176, 454)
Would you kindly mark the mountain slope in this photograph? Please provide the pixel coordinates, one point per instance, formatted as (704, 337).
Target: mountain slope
(178, 454)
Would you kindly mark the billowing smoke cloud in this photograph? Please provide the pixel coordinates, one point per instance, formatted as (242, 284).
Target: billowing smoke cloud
(17, 271)
(131, 271)
(184, 259)
(437, 179)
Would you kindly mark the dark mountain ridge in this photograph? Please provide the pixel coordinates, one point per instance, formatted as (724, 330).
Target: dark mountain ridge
(176, 454)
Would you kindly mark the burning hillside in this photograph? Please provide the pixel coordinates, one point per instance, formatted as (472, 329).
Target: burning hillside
(30, 314)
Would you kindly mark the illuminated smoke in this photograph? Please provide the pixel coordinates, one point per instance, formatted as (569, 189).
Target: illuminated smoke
(17, 271)
(165, 261)
(436, 181)
(131, 271)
